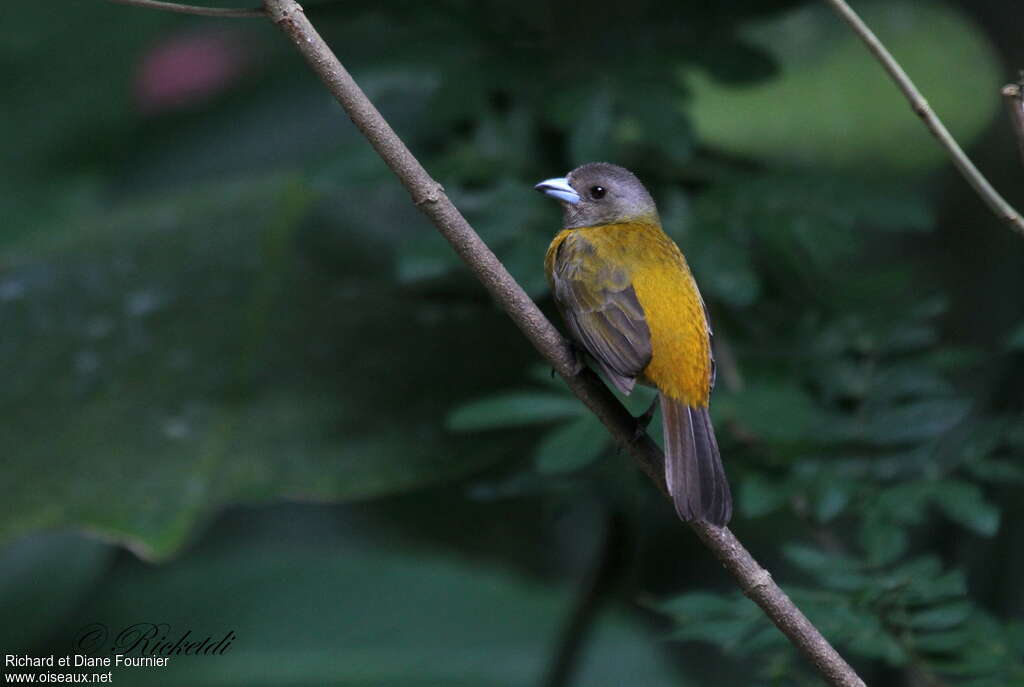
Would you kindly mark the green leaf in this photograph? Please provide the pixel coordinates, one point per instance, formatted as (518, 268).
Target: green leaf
(907, 381)
(907, 575)
(941, 617)
(915, 421)
(315, 605)
(941, 642)
(722, 620)
(857, 626)
(830, 568)
(161, 369)
(964, 503)
(514, 410)
(728, 633)
(832, 500)
(773, 411)
(873, 642)
(810, 115)
(760, 495)
(807, 558)
(927, 586)
(902, 503)
(571, 446)
(882, 540)
(695, 606)
(996, 470)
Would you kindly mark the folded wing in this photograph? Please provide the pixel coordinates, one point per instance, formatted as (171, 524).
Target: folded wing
(601, 310)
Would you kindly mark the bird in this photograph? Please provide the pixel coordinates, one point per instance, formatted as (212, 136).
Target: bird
(629, 301)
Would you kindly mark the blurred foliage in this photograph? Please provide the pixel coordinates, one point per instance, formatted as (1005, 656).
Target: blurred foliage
(803, 117)
(353, 610)
(213, 293)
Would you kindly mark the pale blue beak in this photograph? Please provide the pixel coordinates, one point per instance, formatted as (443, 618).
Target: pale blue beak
(559, 188)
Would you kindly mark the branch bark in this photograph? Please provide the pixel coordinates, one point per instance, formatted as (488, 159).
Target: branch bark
(429, 197)
(922, 109)
(194, 9)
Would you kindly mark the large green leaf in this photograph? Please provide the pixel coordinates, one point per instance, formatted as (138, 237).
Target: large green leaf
(514, 409)
(571, 445)
(314, 605)
(217, 347)
(779, 411)
(834, 105)
(965, 503)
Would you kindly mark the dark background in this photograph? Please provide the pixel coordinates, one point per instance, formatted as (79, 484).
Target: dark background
(248, 388)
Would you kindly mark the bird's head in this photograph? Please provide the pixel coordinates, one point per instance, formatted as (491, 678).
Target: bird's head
(600, 193)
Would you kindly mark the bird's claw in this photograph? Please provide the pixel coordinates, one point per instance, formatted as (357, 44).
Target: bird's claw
(577, 356)
(644, 420)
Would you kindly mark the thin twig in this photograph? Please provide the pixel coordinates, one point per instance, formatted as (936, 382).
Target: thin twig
(194, 9)
(429, 197)
(1013, 94)
(998, 205)
(594, 592)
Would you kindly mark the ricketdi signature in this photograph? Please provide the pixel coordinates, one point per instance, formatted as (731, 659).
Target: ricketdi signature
(154, 639)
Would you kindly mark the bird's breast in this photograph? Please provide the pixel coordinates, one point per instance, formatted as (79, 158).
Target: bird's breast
(680, 363)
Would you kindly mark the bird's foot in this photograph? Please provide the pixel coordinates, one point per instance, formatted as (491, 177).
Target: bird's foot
(577, 356)
(644, 420)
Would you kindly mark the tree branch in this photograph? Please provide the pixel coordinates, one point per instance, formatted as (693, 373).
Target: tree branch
(430, 198)
(194, 9)
(982, 187)
(593, 594)
(1013, 94)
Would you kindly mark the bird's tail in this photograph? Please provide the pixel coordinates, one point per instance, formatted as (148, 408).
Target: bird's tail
(693, 466)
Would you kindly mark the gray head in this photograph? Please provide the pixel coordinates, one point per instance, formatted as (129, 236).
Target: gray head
(600, 193)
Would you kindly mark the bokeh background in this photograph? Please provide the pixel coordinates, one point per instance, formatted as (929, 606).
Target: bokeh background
(247, 387)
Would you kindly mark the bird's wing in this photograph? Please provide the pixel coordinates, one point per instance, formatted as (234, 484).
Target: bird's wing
(600, 307)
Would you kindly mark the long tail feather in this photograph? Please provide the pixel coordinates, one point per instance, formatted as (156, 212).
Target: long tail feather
(693, 466)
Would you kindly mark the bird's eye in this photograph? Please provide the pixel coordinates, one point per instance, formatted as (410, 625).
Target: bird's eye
(597, 192)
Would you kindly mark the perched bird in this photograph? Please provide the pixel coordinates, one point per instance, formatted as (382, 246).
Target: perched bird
(629, 300)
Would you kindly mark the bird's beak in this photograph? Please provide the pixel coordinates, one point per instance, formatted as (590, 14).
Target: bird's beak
(559, 188)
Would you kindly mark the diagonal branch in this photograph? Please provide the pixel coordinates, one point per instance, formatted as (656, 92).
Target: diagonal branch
(976, 179)
(194, 9)
(430, 198)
